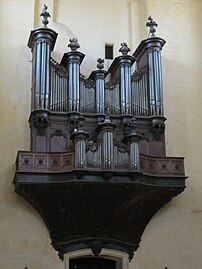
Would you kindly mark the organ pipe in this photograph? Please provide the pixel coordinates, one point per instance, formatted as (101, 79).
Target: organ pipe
(41, 42)
(124, 63)
(79, 138)
(99, 77)
(132, 140)
(72, 61)
(105, 132)
(148, 54)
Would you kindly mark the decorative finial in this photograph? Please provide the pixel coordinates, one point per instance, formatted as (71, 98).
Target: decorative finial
(107, 112)
(100, 63)
(152, 25)
(73, 45)
(124, 49)
(45, 14)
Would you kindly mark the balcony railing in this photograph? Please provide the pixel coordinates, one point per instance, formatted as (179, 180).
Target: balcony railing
(64, 162)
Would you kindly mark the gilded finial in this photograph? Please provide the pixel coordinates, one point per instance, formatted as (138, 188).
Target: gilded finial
(73, 45)
(124, 49)
(45, 14)
(100, 63)
(152, 26)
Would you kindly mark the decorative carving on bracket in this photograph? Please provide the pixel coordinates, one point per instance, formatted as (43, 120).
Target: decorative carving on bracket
(39, 119)
(76, 121)
(157, 127)
(58, 132)
(136, 76)
(60, 70)
(121, 147)
(129, 124)
(92, 146)
(41, 124)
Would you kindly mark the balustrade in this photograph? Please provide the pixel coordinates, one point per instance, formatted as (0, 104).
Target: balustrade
(38, 162)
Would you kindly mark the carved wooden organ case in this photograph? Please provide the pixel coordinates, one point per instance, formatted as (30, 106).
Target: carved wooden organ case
(97, 170)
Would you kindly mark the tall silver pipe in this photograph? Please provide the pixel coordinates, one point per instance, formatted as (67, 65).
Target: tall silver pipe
(151, 85)
(79, 138)
(122, 90)
(38, 75)
(72, 61)
(160, 84)
(41, 42)
(97, 96)
(134, 156)
(74, 87)
(122, 64)
(105, 134)
(132, 140)
(99, 77)
(77, 86)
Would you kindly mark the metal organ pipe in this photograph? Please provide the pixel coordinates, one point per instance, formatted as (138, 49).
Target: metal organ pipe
(99, 77)
(124, 63)
(79, 137)
(154, 47)
(134, 156)
(72, 60)
(41, 42)
(107, 143)
(105, 131)
(42, 74)
(74, 81)
(132, 140)
(155, 83)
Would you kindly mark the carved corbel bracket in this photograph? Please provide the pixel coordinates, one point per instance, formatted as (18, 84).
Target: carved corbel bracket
(157, 127)
(129, 124)
(39, 119)
(75, 121)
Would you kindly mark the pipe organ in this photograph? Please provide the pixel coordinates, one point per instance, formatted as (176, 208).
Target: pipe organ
(97, 145)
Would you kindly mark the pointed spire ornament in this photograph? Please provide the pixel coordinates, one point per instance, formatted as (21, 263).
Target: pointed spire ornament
(100, 63)
(73, 45)
(152, 26)
(124, 49)
(45, 14)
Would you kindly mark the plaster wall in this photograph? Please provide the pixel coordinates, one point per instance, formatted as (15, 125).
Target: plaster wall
(173, 237)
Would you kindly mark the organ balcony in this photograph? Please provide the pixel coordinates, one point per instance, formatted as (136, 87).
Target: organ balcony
(97, 170)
